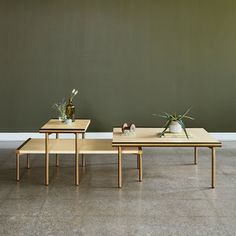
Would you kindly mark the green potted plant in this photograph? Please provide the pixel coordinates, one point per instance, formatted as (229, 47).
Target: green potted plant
(175, 122)
(60, 107)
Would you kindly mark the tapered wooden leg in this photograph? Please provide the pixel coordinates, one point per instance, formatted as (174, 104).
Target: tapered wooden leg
(76, 161)
(138, 161)
(46, 160)
(57, 156)
(83, 156)
(213, 167)
(17, 167)
(140, 165)
(195, 155)
(119, 167)
(28, 161)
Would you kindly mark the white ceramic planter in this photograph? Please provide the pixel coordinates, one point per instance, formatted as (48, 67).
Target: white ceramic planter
(175, 127)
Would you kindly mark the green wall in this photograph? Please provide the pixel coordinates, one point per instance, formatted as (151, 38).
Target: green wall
(128, 58)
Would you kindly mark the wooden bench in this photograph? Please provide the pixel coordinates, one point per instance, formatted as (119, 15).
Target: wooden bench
(67, 146)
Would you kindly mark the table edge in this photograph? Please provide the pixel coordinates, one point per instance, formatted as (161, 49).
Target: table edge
(203, 144)
(65, 130)
(62, 130)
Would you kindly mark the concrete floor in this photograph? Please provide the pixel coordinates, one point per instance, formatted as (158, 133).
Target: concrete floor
(174, 198)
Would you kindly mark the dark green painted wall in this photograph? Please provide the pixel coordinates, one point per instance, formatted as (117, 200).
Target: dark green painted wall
(129, 59)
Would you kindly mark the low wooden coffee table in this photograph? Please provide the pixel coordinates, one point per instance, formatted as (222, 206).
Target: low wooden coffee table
(56, 126)
(149, 137)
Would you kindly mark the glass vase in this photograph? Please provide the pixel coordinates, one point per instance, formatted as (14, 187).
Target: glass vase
(70, 110)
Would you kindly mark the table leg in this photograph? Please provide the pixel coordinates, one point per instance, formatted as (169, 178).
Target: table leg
(76, 161)
(57, 156)
(140, 165)
(138, 161)
(119, 167)
(28, 161)
(83, 156)
(17, 167)
(213, 167)
(195, 155)
(46, 160)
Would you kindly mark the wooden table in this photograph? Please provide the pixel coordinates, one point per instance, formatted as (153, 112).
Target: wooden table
(149, 137)
(56, 126)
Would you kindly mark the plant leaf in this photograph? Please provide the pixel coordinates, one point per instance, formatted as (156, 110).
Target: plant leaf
(172, 117)
(185, 113)
(164, 116)
(189, 117)
(167, 124)
(183, 127)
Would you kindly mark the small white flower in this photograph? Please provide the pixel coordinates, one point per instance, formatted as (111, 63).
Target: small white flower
(73, 93)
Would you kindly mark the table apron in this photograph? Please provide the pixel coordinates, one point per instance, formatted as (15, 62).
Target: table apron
(208, 145)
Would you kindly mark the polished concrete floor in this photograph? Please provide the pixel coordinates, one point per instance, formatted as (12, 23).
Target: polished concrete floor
(174, 198)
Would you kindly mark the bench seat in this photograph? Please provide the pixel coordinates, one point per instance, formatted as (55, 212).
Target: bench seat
(67, 146)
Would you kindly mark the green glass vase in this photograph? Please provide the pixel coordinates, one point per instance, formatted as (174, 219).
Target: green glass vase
(70, 110)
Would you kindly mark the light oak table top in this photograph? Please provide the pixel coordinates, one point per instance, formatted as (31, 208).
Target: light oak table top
(56, 126)
(198, 137)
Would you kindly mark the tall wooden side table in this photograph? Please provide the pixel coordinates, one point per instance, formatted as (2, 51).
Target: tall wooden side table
(79, 126)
